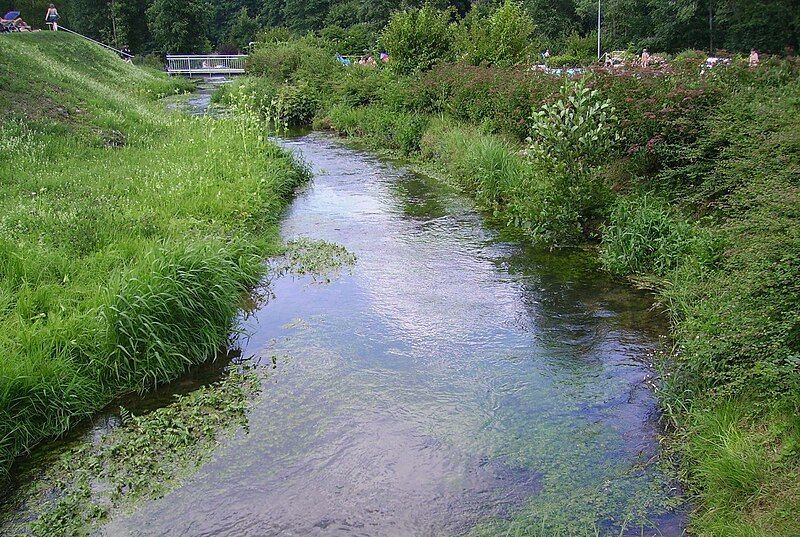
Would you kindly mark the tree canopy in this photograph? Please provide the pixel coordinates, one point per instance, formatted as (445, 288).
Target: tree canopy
(146, 25)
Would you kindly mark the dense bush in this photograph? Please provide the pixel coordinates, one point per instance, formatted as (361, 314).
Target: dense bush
(417, 39)
(381, 127)
(578, 131)
(299, 60)
(354, 40)
(505, 38)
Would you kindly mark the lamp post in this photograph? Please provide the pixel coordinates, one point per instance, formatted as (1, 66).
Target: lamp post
(598, 30)
(114, 24)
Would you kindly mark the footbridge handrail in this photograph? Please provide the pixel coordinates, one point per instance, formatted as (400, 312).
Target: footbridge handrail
(121, 53)
(208, 64)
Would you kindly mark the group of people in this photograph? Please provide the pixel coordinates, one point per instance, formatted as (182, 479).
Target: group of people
(369, 59)
(13, 22)
(645, 60)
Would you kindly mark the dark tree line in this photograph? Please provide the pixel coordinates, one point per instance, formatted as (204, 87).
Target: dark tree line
(195, 25)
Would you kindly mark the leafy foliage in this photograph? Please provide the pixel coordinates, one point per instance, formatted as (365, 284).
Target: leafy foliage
(507, 37)
(578, 131)
(417, 39)
(180, 26)
(644, 236)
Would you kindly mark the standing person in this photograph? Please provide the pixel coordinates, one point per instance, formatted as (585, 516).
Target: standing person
(645, 58)
(52, 17)
(754, 58)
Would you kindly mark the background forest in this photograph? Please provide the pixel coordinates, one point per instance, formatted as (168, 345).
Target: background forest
(225, 25)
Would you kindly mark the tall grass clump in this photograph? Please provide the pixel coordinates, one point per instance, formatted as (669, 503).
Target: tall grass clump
(129, 235)
(644, 236)
(381, 128)
(174, 309)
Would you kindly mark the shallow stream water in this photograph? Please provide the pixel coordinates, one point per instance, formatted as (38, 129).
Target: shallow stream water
(454, 378)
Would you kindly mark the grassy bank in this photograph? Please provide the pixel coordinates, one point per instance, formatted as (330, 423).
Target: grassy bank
(129, 234)
(685, 181)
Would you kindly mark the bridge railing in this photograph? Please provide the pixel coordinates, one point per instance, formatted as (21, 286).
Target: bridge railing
(185, 64)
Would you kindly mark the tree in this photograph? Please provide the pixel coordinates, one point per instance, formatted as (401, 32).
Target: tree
(305, 15)
(130, 20)
(89, 17)
(242, 30)
(554, 18)
(503, 38)
(180, 26)
(417, 39)
(271, 14)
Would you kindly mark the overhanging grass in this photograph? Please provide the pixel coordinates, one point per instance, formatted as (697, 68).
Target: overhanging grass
(129, 235)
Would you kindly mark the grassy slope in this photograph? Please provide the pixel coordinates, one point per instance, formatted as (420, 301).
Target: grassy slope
(127, 234)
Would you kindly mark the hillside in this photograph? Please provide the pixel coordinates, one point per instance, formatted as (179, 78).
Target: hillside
(128, 234)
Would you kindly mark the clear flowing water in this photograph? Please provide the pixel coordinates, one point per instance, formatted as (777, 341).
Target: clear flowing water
(453, 377)
(456, 381)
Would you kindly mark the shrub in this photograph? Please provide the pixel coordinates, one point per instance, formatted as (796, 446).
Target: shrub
(293, 105)
(380, 127)
(299, 60)
(361, 85)
(577, 131)
(356, 39)
(582, 47)
(276, 35)
(565, 60)
(417, 39)
(503, 39)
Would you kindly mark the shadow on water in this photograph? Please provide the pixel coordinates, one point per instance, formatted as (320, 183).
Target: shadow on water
(456, 381)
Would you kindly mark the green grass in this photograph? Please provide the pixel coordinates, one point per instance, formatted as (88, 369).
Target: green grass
(129, 235)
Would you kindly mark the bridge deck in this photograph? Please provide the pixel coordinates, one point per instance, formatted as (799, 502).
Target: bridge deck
(210, 64)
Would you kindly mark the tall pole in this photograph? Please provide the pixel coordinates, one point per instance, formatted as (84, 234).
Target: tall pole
(114, 24)
(710, 29)
(598, 30)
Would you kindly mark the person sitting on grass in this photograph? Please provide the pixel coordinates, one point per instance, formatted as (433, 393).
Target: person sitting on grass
(754, 58)
(22, 26)
(52, 17)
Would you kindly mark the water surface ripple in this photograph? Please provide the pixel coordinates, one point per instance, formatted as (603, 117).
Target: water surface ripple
(455, 377)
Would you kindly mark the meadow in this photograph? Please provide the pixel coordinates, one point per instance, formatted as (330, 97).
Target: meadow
(129, 235)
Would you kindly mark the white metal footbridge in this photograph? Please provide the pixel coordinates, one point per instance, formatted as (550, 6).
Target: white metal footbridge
(211, 64)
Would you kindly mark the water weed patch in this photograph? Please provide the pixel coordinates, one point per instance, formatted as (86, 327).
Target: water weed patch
(319, 259)
(141, 459)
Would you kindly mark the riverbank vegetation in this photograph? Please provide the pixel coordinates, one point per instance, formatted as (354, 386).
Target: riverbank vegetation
(129, 235)
(686, 180)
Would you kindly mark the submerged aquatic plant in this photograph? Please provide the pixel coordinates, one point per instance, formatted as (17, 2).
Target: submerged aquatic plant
(319, 259)
(142, 459)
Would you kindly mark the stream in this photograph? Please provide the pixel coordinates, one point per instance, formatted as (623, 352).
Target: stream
(454, 381)
(453, 377)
